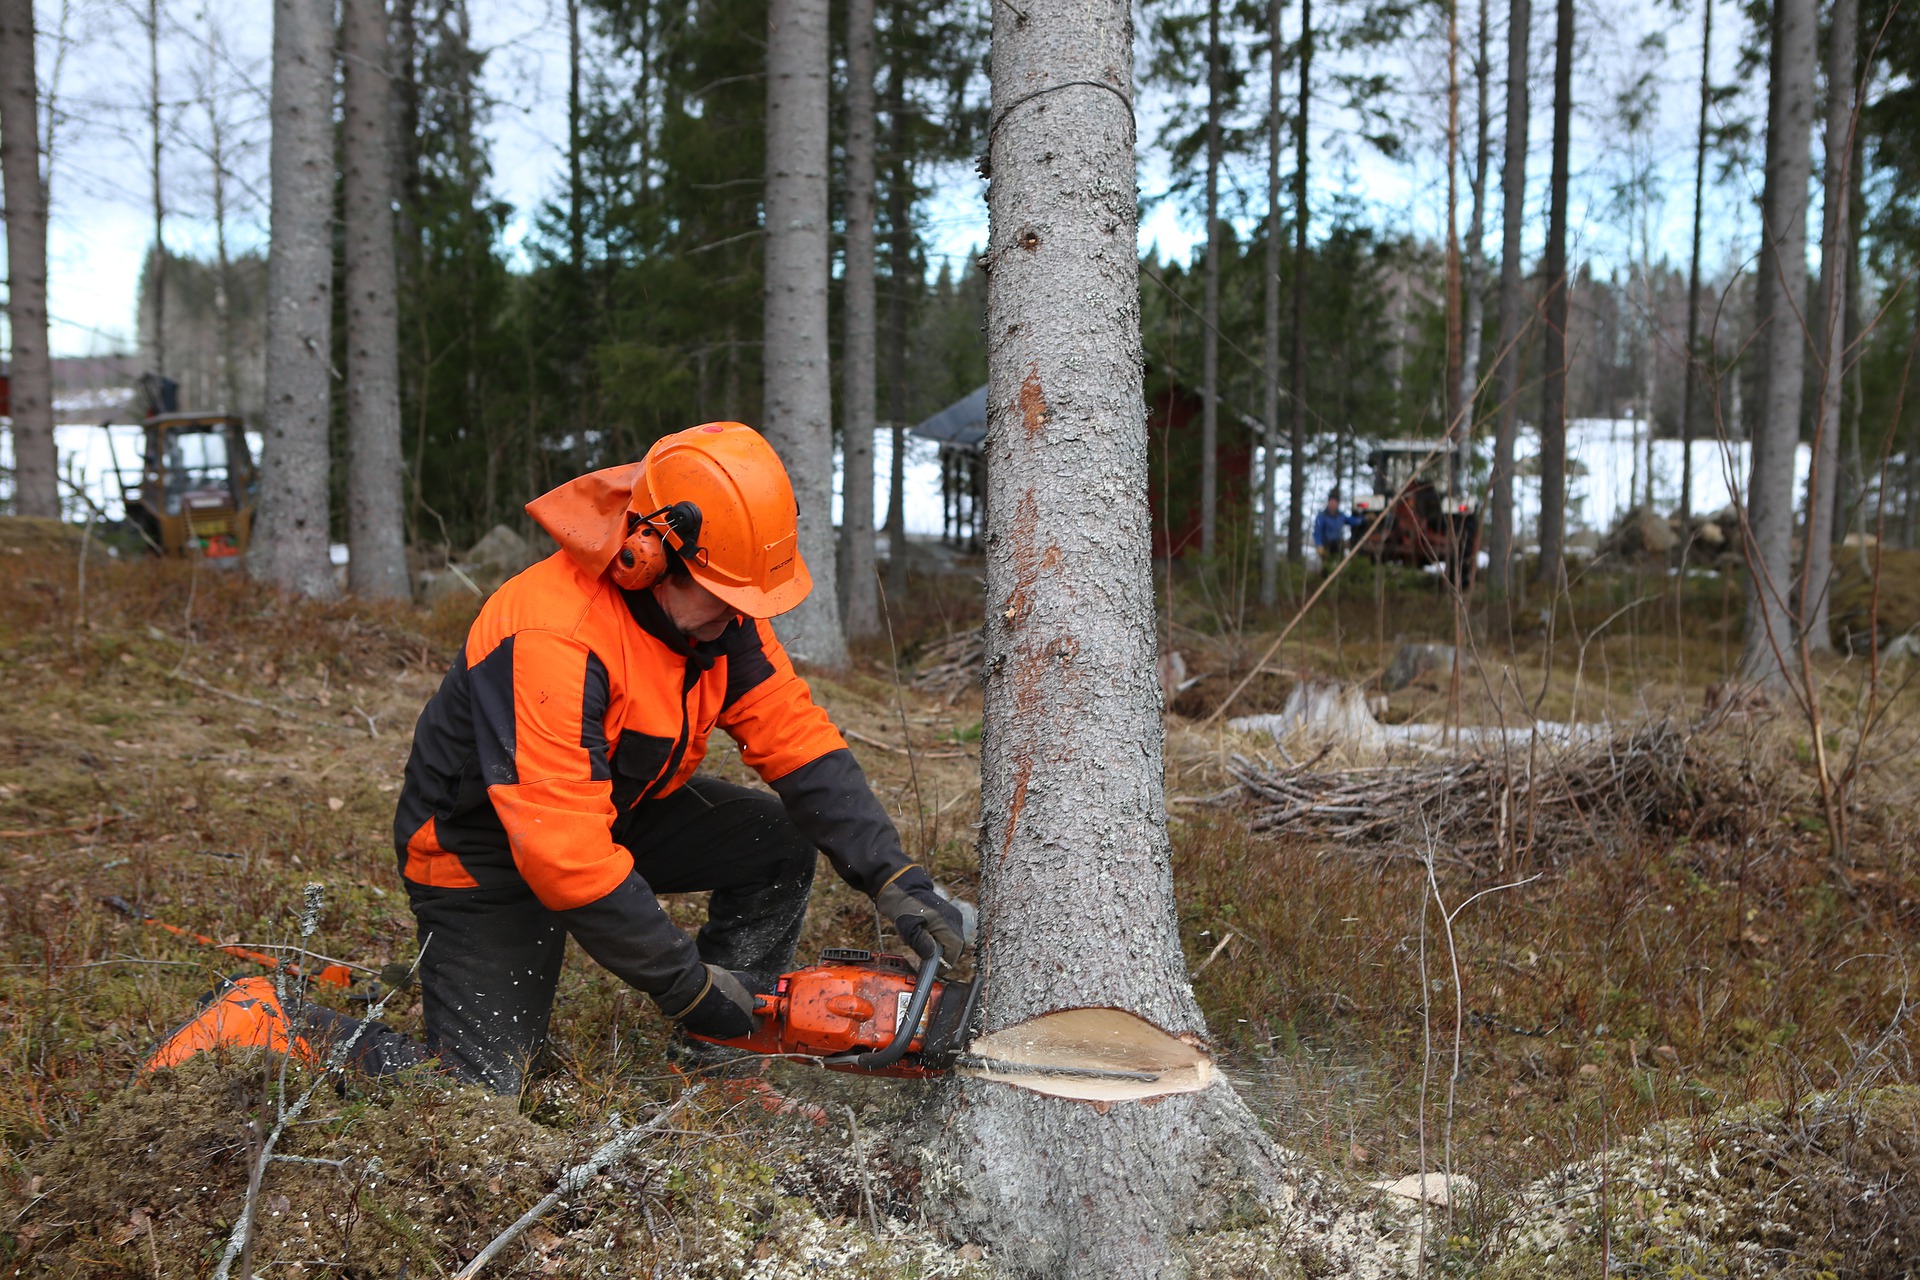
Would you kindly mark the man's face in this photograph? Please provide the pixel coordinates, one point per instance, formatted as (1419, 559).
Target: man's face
(1333, 505)
(700, 614)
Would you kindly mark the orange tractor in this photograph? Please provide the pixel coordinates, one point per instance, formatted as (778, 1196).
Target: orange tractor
(1430, 517)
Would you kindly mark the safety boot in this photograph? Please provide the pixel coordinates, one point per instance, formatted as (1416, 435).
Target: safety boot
(240, 1013)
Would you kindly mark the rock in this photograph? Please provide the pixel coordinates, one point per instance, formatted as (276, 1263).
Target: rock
(1322, 711)
(501, 553)
(1710, 535)
(1435, 1188)
(1414, 661)
(1640, 535)
(430, 586)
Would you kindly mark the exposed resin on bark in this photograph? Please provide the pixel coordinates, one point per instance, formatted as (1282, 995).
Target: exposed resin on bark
(1093, 1040)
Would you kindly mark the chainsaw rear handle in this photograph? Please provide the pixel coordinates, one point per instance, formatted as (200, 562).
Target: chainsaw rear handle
(876, 1059)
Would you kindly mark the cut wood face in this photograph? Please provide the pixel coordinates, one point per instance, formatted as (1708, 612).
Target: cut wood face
(1091, 1040)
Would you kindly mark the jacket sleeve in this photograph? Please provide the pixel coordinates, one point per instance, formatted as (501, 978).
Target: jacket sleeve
(789, 741)
(540, 704)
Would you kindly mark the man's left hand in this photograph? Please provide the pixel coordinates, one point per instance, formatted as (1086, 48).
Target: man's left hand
(921, 915)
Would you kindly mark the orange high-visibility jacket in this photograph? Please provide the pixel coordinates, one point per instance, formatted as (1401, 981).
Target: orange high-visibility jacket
(574, 700)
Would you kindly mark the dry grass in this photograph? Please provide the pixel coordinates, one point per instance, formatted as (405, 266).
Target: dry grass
(1675, 961)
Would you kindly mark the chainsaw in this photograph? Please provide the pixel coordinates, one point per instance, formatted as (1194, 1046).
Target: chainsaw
(866, 1012)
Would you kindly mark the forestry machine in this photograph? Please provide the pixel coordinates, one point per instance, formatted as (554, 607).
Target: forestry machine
(193, 493)
(1430, 516)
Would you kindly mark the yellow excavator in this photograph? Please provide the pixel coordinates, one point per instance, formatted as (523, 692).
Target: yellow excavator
(194, 491)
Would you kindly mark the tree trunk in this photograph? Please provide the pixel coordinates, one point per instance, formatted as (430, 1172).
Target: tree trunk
(1553, 413)
(1076, 890)
(1210, 303)
(1513, 200)
(799, 395)
(1690, 395)
(857, 368)
(1455, 376)
(1770, 513)
(1270, 367)
(376, 540)
(576, 179)
(1473, 308)
(290, 538)
(1835, 254)
(159, 205)
(899, 269)
(1297, 389)
(35, 466)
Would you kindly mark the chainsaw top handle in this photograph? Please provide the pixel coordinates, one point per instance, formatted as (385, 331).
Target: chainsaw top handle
(876, 1059)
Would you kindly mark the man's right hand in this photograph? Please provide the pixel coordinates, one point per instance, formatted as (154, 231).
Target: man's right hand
(723, 1010)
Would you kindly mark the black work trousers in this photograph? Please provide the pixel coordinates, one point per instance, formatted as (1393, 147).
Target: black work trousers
(491, 956)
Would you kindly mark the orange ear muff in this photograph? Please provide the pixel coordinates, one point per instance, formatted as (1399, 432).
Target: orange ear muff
(641, 560)
(652, 543)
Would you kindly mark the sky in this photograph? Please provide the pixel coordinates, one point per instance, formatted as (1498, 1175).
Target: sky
(214, 59)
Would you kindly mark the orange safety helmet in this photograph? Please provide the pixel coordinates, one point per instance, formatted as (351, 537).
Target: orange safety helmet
(715, 497)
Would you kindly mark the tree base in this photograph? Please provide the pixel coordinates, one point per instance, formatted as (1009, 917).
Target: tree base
(1066, 1188)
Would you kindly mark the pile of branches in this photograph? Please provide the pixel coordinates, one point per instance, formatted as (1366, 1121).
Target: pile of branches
(950, 666)
(1508, 808)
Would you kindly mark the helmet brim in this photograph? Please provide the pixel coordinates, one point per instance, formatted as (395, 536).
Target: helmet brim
(755, 602)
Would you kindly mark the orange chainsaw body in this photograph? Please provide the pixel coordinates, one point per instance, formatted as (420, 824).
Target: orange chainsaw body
(853, 1001)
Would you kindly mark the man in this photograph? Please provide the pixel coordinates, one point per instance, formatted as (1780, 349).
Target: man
(1330, 531)
(552, 788)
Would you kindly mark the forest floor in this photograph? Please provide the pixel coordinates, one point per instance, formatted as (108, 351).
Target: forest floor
(1682, 976)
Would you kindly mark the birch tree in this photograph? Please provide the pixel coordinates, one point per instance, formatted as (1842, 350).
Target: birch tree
(35, 466)
(1474, 285)
(1835, 254)
(1513, 208)
(862, 607)
(376, 537)
(1077, 891)
(798, 395)
(1553, 411)
(1769, 524)
(290, 540)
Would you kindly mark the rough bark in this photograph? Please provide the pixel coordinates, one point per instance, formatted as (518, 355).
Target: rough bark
(1835, 257)
(1691, 392)
(1270, 353)
(290, 539)
(1513, 200)
(799, 395)
(376, 539)
(1077, 892)
(159, 203)
(858, 588)
(1210, 303)
(1770, 512)
(1454, 393)
(1297, 389)
(1473, 309)
(899, 269)
(35, 466)
(1553, 413)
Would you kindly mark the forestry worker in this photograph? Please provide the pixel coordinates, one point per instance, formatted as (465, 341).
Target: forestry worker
(553, 787)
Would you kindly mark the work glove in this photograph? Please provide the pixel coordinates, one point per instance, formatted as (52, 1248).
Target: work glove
(722, 1010)
(921, 915)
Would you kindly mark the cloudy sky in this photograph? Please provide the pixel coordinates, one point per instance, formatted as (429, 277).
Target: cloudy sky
(214, 63)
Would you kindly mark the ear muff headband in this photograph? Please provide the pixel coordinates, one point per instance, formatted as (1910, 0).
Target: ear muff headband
(658, 543)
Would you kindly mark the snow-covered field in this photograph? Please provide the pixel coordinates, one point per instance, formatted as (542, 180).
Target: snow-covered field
(1609, 461)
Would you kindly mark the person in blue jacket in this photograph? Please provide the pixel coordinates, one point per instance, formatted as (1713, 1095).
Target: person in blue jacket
(1330, 530)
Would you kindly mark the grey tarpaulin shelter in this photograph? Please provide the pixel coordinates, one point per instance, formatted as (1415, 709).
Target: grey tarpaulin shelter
(960, 430)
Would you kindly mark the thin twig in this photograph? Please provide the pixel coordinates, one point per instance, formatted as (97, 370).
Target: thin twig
(573, 1180)
(866, 1185)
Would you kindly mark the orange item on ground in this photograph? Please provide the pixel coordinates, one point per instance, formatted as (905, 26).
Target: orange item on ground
(241, 1013)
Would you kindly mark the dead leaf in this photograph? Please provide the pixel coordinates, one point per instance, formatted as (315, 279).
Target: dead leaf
(335, 803)
(188, 805)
